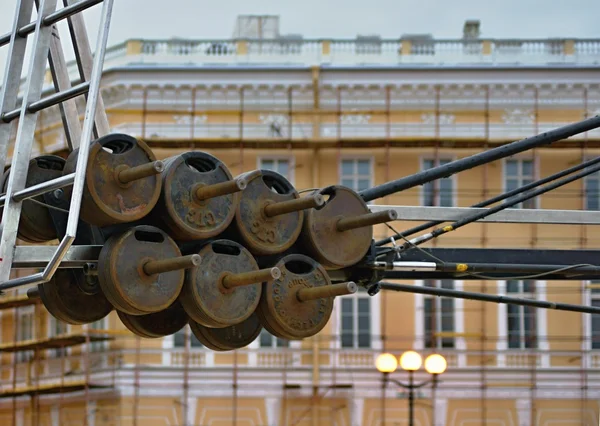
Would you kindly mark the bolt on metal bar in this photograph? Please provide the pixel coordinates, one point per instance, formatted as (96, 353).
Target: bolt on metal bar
(174, 264)
(488, 156)
(367, 219)
(253, 277)
(48, 101)
(204, 192)
(495, 199)
(341, 289)
(141, 172)
(303, 203)
(444, 292)
(523, 197)
(51, 19)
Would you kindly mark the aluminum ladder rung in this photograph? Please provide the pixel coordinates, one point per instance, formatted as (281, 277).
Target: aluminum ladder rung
(51, 19)
(48, 101)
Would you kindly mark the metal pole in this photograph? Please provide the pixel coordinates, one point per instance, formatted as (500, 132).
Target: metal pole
(495, 199)
(500, 152)
(411, 398)
(173, 264)
(444, 292)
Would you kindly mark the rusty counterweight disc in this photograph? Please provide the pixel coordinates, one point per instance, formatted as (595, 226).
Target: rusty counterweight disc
(331, 248)
(187, 216)
(228, 338)
(106, 199)
(280, 311)
(203, 296)
(267, 235)
(158, 324)
(69, 297)
(36, 224)
(121, 271)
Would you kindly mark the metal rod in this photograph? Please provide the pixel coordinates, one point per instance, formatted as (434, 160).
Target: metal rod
(52, 18)
(495, 199)
(303, 203)
(42, 188)
(33, 293)
(523, 197)
(514, 268)
(253, 277)
(367, 219)
(140, 172)
(219, 189)
(453, 167)
(48, 101)
(174, 264)
(341, 289)
(444, 292)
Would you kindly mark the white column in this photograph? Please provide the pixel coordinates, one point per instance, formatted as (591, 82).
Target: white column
(91, 413)
(524, 411)
(20, 417)
(357, 411)
(192, 403)
(273, 406)
(440, 408)
(55, 416)
(418, 344)
(502, 344)
(544, 345)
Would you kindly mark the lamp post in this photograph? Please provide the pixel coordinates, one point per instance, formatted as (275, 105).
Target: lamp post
(411, 361)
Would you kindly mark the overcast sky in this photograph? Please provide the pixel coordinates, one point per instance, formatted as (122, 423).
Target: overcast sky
(342, 18)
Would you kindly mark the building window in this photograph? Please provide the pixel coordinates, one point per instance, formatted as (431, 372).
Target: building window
(592, 191)
(356, 320)
(439, 321)
(522, 321)
(179, 339)
(356, 174)
(98, 325)
(283, 166)
(441, 191)
(516, 174)
(267, 340)
(57, 328)
(25, 331)
(595, 318)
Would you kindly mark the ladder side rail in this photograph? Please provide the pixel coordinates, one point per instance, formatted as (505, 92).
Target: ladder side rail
(25, 137)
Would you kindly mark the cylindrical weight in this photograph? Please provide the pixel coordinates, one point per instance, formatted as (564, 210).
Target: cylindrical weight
(198, 198)
(168, 265)
(264, 235)
(106, 199)
(220, 189)
(121, 270)
(139, 172)
(367, 219)
(235, 336)
(33, 293)
(280, 311)
(158, 324)
(305, 294)
(230, 281)
(204, 297)
(283, 207)
(35, 223)
(320, 236)
(72, 297)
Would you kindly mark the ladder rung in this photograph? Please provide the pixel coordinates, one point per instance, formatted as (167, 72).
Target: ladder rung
(41, 188)
(51, 19)
(49, 101)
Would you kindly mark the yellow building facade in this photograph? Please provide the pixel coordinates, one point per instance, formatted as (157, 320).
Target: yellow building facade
(356, 113)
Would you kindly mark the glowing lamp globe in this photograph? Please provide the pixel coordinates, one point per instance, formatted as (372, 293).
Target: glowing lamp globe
(410, 361)
(386, 363)
(435, 364)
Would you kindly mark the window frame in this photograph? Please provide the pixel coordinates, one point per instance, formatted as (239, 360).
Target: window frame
(595, 176)
(535, 164)
(355, 158)
(453, 179)
(375, 322)
(439, 319)
(291, 159)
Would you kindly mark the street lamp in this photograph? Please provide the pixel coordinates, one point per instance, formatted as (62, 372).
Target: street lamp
(435, 364)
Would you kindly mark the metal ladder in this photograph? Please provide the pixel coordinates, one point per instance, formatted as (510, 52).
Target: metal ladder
(46, 45)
